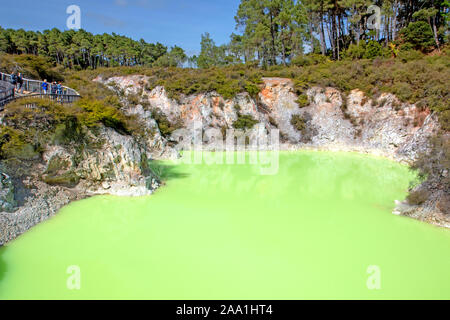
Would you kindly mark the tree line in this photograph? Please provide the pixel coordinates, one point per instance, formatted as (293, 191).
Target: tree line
(268, 33)
(272, 32)
(82, 49)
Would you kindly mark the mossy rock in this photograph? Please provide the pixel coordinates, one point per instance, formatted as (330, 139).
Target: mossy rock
(56, 165)
(69, 179)
(59, 173)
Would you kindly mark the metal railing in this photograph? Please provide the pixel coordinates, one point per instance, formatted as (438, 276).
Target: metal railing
(33, 88)
(60, 98)
(6, 93)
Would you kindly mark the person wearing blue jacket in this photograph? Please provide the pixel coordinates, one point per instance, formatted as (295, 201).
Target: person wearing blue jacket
(59, 90)
(44, 86)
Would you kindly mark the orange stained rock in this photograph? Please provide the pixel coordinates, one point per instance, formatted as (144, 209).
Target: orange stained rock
(267, 94)
(327, 106)
(216, 104)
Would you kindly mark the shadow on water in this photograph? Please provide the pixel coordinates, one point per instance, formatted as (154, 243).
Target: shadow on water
(165, 171)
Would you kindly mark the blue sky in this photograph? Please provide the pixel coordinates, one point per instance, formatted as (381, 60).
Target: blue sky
(171, 22)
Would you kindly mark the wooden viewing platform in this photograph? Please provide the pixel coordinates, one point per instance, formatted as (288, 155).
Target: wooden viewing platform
(32, 88)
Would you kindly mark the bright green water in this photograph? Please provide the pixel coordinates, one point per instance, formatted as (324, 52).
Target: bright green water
(311, 231)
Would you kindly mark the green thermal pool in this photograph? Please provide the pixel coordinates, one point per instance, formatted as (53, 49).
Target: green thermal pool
(316, 229)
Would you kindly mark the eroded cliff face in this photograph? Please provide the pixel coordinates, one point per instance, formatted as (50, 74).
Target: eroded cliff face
(105, 162)
(332, 121)
(117, 164)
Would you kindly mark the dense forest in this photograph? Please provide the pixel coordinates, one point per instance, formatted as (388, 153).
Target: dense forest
(275, 31)
(82, 50)
(268, 32)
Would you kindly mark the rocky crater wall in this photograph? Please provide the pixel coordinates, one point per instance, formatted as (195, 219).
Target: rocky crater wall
(330, 120)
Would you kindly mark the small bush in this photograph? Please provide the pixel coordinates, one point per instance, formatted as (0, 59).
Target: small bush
(298, 122)
(252, 89)
(303, 100)
(373, 50)
(165, 126)
(101, 111)
(410, 55)
(419, 35)
(308, 60)
(244, 122)
(15, 144)
(355, 51)
(444, 120)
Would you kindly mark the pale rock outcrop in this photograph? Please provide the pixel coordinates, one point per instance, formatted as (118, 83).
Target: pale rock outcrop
(353, 122)
(118, 167)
